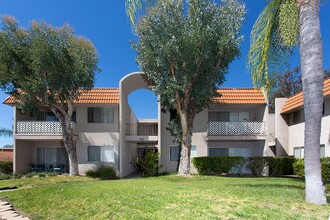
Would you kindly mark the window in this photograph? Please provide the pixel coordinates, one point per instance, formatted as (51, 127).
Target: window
(296, 117)
(51, 156)
(218, 151)
(298, 152)
(46, 116)
(228, 116)
(235, 151)
(100, 115)
(100, 153)
(175, 152)
(193, 152)
(322, 150)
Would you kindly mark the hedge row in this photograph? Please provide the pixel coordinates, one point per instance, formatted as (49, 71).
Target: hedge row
(299, 167)
(277, 166)
(216, 165)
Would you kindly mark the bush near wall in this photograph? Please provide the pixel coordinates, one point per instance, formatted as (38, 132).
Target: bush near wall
(257, 165)
(6, 167)
(216, 165)
(299, 168)
(103, 172)
(279, 166)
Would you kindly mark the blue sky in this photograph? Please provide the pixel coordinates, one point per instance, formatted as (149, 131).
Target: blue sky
(105, 23)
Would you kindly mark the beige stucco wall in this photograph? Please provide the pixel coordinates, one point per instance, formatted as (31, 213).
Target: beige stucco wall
(296, 135)
(281, 129)
(271, 128)
(199, 138)
(292, 135)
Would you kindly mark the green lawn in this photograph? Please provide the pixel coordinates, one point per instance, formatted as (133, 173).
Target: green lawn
(164, 197)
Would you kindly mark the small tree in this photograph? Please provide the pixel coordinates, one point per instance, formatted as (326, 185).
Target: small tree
(184, 48)
(47, 67)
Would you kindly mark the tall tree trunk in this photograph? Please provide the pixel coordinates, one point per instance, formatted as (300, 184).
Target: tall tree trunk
(186, 126)
(66, 118)
(70, 148)
(312, 79)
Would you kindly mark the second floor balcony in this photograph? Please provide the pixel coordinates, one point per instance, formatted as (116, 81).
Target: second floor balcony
(239, 128)
(142, 129)
(40, 127)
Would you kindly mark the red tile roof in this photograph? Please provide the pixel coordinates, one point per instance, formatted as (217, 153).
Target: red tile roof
(297, 101)
(111, 96)
(240, 96)
(93, 96)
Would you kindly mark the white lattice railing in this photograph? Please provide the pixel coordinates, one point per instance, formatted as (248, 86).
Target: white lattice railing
(236, 128)
(40, 127)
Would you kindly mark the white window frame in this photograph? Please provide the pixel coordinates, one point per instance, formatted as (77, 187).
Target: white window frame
(110, 157)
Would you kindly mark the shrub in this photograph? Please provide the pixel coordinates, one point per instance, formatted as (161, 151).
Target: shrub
(6, 167)
(280, 165)
(103, 172)
(257, 165)
(216, 165)
(148, 163)
(31, 174)
(42, 174)
(51, 173)
(5, 176)
(299, 166)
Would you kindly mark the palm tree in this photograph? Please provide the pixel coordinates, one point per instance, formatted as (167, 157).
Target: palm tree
(5, 132)
(270, 46)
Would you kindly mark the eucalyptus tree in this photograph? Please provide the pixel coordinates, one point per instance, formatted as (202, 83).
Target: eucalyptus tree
(184, 48)
(47, 68)
(282, 25)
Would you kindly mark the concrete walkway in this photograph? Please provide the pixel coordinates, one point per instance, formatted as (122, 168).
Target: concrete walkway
(7, 212)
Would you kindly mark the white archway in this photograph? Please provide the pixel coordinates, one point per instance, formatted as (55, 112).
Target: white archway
(127, 85)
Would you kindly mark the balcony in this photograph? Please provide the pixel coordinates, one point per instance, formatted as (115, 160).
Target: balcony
(142, 132)
(40, 127)
(142, 129)
(240, 128)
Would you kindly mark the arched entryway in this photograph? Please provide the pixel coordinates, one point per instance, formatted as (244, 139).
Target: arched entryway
(135, 134)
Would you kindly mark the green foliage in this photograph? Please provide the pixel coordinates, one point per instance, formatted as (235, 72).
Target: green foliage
(6, 167)
(289, 20)
(267, 54)
(280, 165)
(299, 168)
(216, 165)
(5, 176)
(103, 172)
(5, 132)
(257, 165)
(148, 163)
(31, 174)
(43, 66)
(184, 49)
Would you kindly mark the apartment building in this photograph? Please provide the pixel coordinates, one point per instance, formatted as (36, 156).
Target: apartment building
(108, 132)
(290, 124)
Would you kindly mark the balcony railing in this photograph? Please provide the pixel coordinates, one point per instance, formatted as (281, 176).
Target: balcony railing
(40, 127)
(236, 128)
(142, 129)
